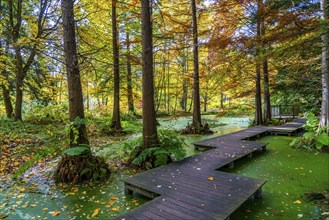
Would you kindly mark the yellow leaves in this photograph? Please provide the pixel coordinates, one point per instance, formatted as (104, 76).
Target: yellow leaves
(298, 202)
(33, 205)
(45, 209)
(22, 189)
(55, 213)
(210, 178)
(96, 211)
(116, 208)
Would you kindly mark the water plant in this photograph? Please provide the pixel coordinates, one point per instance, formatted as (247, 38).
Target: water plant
(315, 138)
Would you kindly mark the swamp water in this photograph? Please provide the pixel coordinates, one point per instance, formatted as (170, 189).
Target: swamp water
(289, 173)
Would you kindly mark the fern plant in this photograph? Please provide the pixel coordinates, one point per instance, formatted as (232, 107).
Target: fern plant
(171, 148)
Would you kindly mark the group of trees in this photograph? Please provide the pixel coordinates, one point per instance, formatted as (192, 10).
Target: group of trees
(248, 48)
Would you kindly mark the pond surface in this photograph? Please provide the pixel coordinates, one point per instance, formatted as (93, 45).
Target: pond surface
(289, 173)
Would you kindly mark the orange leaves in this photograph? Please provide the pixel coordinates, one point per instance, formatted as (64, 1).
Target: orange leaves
(55, 213)
(95, 213)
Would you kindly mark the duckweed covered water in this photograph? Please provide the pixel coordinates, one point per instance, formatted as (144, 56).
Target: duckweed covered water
(289, 173)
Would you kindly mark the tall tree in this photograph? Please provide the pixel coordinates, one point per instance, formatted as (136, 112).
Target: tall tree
(23, 65)
(258, 96)
(266, 84)
(129, 77)
(150, 135)
(116, 121)
(76, 109)
(196, 88)
(5, 84)
(324, 119)
(75, 168)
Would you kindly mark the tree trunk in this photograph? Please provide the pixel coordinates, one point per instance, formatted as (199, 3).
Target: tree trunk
(7, 100)
(324, 118)
(6, 87)
(116, 121)
(76, 109)
(129, 78)
(205, 102)
(19, 95)
(258, 95)
(150, 135)
(221, 101)
(196, 88)
(15, 21)
(267, 98)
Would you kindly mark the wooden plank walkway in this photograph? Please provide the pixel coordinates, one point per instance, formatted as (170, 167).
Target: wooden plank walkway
(193, 188)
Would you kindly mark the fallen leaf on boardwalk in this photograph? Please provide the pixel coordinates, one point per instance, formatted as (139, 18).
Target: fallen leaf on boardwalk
(2, 216)
(210, 178)
(202, 204)
(298, 202)
(96, 211)
(55, 213)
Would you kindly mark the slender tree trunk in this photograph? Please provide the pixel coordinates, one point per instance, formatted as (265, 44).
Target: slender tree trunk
(168, 88)
(205, 102)
(6, 87)
(258, 95)
(324, 119)
(150, 135)
(221, 101)
(76, 109)
(267, 97)
(7, 100)
(266, 85)
(116, 121)
(129, 78)
(196, 88)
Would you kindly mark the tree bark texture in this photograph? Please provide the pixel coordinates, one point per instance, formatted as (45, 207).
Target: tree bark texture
(129, 78)
(324, 119)
(76, 109)
(196, 88)
(258, 95)
(116, 121)
(150, 135)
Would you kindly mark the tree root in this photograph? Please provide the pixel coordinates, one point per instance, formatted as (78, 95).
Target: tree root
(78, 169)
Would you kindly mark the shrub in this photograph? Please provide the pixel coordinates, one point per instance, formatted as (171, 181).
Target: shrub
(171, 148)
(47, 114)
(315, 138)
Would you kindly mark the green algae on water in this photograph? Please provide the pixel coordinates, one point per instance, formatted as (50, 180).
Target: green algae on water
(290, 174)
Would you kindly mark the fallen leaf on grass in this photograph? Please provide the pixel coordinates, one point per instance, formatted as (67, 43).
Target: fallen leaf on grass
(45, 209)
(96, 211)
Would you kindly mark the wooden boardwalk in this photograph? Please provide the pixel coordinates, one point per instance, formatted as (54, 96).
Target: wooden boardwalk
(193, 188)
